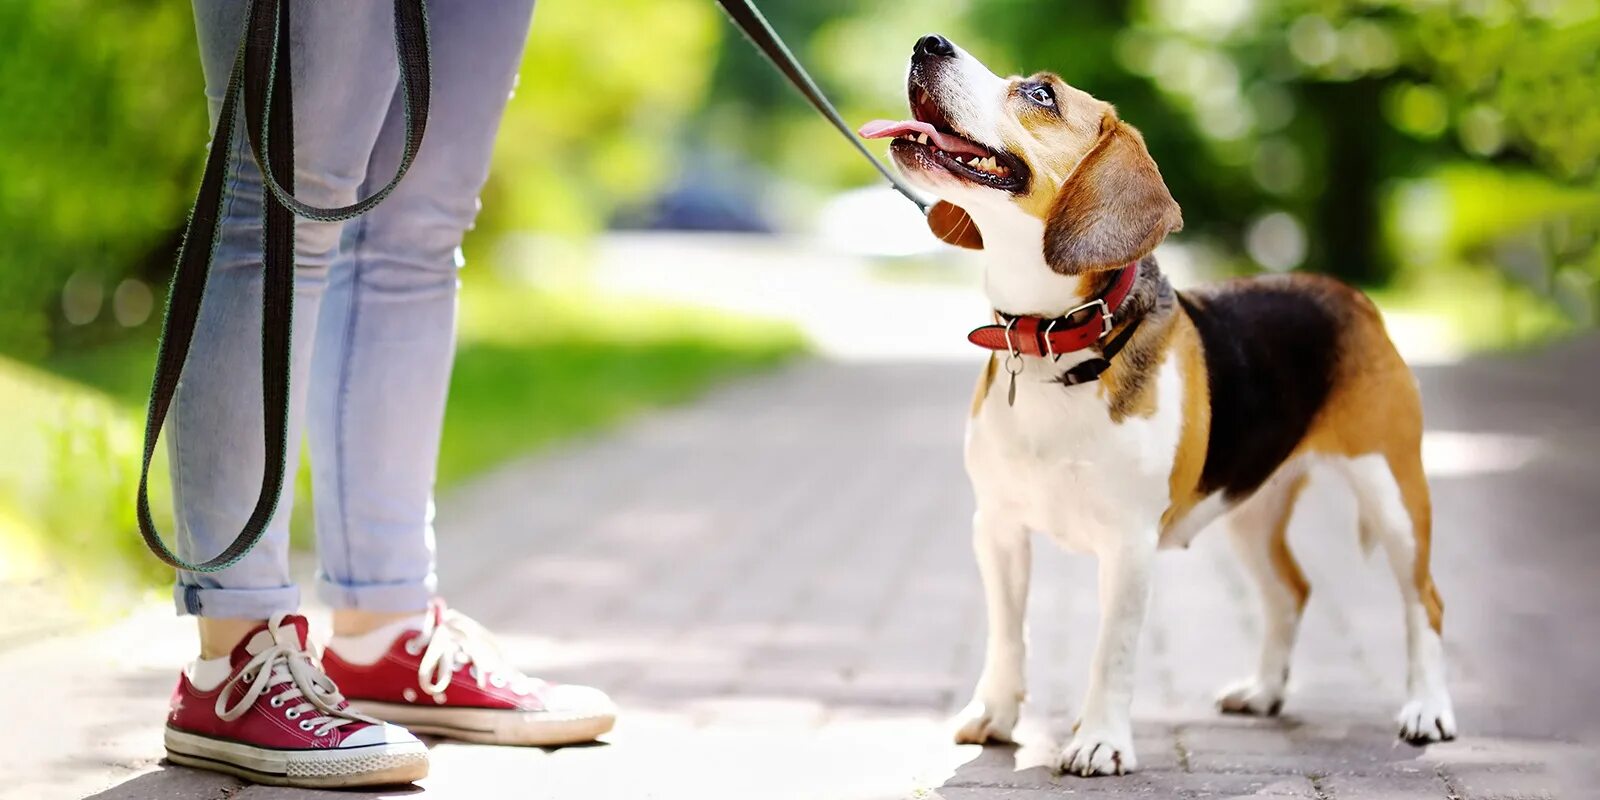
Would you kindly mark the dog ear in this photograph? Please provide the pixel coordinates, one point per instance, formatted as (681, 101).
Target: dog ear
(1113, 209)
(951, 223)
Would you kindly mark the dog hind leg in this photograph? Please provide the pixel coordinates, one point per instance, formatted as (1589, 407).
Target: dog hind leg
(1393, 495)
(1259, 529)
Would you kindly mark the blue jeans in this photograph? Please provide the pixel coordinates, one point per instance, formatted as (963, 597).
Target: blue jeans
(375, 305)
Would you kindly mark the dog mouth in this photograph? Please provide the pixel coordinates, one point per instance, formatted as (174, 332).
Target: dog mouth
(929, 140)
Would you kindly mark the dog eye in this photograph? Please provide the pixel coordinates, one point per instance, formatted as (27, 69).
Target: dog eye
(1042, 95)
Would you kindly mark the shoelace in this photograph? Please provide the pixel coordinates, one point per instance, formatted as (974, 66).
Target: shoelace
(284, 662)
(454, 640)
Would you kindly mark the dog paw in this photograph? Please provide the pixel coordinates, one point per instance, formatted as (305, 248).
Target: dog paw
(983, 722)
(1252, 696)
(1092, 754)
(1428, 718)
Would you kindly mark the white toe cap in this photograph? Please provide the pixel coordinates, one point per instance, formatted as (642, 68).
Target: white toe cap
(575, 699)
(380, 734)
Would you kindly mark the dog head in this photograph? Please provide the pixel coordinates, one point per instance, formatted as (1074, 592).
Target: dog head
(1034, 146)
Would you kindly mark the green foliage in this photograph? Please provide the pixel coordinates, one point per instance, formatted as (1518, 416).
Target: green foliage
(1290, 132)
(531, 369)
(1286, 129)
(605, 88)
(100, 143)
(67, 483)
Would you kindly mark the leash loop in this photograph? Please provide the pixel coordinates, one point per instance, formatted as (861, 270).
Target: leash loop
(260, 66)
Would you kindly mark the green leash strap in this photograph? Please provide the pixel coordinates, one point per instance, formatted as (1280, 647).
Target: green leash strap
(262, 67)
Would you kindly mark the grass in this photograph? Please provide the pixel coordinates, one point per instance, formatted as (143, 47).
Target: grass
(532, 368)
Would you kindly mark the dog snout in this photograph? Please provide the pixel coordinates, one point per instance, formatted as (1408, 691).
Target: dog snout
(933, 46)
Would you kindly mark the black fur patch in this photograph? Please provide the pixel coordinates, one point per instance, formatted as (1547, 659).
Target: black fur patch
(1271, 347)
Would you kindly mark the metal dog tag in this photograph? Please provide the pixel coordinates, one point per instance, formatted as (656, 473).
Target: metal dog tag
(1013, 366)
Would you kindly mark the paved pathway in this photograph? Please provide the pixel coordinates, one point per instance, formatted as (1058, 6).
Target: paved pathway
(777, 585)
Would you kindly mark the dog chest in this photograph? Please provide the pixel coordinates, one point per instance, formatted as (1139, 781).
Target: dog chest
(1058, 461)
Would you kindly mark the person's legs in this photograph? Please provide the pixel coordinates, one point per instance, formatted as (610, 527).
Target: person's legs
(386, 338)
(344, 74)
(257, 704)
(385, 344)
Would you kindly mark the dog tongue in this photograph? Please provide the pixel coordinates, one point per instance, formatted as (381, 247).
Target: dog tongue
(888, 128)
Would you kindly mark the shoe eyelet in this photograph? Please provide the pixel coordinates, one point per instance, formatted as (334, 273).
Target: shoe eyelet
(276, 701)
(497, 682)
(414, 646)
(293, 713)
(306, 725)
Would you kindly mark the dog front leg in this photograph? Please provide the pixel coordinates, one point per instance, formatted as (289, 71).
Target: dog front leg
(1004, 560)
(1103, 742)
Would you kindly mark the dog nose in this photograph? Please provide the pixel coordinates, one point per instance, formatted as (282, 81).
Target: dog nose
(934, 45)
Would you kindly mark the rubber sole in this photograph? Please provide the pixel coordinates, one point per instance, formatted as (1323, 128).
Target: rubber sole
(372, 765)
(492, 725)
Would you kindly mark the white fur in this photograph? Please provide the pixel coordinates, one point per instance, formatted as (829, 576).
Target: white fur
(1252, 526)
(1055, 462)
(1428, 713)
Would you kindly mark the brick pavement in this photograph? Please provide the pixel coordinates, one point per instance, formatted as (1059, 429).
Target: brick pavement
(777, 585)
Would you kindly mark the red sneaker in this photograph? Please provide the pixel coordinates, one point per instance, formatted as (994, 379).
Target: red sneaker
(279, 720)
(448, 678)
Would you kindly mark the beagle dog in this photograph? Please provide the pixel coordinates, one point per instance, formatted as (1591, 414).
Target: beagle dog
(1119, 416)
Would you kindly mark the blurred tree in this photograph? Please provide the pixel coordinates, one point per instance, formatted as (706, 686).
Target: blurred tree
(599, 111)
(101, 141)
(1358, 137)
(1292, 132)
(1320, 110)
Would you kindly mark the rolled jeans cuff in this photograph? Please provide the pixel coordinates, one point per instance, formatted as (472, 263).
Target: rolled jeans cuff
(389, 598)
(203, 601)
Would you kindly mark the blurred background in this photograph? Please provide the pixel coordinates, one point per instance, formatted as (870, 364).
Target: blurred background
(1441, 154)
(744, 513)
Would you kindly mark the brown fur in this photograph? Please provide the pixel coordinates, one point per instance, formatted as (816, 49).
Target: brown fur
(1104, 204)
(1183, 484)
(1375, 408)
(1114, 208)
(1127, 385)
(1282, 558)
(1053, 144)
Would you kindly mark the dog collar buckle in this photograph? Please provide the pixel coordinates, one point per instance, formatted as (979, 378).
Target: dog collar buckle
(1105, 314)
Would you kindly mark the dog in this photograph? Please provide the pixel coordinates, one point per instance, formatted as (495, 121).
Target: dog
(1119, 416)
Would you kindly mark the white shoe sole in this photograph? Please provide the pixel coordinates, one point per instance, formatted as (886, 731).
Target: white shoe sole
(494, 725)
(368, 765)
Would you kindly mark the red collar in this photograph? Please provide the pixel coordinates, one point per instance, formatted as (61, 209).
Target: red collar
(1054, 336)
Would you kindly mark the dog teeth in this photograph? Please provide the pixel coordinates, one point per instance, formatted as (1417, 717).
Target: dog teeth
(922, 138)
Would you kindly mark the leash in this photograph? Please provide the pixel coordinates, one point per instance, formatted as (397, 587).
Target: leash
(755, 28)
(260, 79)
